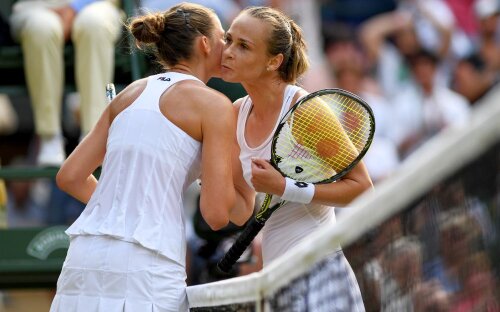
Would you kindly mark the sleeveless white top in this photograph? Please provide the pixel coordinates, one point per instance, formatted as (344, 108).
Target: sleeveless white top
(290, 224)
(149, 163)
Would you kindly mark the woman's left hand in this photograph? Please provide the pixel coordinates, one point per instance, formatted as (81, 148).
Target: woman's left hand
(67, 15)
(266, 179)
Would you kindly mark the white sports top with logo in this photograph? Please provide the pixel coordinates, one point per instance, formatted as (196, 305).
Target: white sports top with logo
(149, 163)
(290, 224)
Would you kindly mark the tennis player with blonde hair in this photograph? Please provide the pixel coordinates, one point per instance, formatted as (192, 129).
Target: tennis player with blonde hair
(266, 53)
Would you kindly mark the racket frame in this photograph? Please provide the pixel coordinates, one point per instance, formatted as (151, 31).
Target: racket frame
(274, 157)
(258, 221)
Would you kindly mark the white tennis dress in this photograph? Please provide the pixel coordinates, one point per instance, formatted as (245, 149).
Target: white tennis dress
(128, 247)
(293, 222)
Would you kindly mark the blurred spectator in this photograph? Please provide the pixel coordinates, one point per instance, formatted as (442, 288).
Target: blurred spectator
(63, 209)
(423, 223)
(351, 13)
(390, 38)
(443, 203)
(8, 117)
(370, 274)
(488, 14)
(465, 33)
(27, 200)
(43, 27)
(424, 108)
(402, 271)
(27, 203)
(434, 24)
(465, 18)
(430, 296)
(457, 238)
(480, 290)
(472, 79)
(3, 209)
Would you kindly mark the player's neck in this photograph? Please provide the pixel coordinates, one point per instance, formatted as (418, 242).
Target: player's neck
(266, 97)
(188, 69)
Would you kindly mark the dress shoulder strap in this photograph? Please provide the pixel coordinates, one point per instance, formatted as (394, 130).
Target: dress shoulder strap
(156, 86)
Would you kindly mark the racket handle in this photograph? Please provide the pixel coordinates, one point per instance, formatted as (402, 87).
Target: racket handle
(240, 245)
(110, 92)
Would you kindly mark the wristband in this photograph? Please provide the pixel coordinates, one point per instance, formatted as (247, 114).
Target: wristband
(298, 192)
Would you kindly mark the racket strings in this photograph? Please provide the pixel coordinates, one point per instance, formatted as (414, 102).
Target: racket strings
(355, 118)
(300, 151)
(325, 131)
(352, 117)
(355, 121)
(324, 135)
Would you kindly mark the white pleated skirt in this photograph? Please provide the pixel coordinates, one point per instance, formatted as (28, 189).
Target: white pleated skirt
(103, 274)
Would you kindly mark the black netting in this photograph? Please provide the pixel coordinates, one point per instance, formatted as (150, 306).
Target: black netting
(440, 253)
(325, 288)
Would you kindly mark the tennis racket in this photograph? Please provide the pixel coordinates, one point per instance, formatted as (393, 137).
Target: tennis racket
(110, 92)
(319, 140)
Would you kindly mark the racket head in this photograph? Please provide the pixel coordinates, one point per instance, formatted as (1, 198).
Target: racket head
(323, 136)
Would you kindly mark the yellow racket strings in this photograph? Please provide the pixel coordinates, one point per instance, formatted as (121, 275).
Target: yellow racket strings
(323, 137)
(318, 126)
(355, 118)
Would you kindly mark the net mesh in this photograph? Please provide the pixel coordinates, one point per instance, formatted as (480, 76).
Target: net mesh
(317, 290)
(427, 240)
(240, 307)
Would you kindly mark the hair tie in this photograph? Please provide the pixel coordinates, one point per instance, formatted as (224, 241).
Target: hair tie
(289, 28)
(186, 17)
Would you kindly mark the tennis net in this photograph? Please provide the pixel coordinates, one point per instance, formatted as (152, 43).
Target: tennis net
(427, 239)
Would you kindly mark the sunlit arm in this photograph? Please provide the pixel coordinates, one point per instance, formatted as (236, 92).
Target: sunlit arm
(345, 190)
(76, 174)
(266, 179)
(245, 195)
(217, 195)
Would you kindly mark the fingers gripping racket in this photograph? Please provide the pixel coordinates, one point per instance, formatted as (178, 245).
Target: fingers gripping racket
(319, 140)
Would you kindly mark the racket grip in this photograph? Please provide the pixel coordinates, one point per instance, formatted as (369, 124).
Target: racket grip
(110, 92)
(240, 245)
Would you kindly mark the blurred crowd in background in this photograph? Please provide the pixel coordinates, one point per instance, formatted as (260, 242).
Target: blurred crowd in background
(422, 66)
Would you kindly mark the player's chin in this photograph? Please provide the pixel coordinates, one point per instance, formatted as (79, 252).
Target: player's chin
(228, 75)
(216, 75)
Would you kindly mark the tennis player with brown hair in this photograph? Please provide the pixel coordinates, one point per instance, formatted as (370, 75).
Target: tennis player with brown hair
(128, 247)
